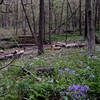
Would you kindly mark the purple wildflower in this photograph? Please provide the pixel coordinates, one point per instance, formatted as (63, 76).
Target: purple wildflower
(78, 91)
(98, 50)
(88, 67)
(39, 79)
(67, 69)
(89, 56)
(60, 71)
(31, 64)
(64, 93)
(94, 57)
(36, 58)
(92, 76)
(85, 65)
(72, 72)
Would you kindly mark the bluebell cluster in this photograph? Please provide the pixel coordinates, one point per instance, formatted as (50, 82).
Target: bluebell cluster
(66, 70)
(78, 92)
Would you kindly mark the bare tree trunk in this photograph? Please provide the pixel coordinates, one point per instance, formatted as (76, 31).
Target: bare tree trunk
(16, 17)
(61, 14)
(80, 15)
(6, 15)
(34, 23)
(90, 26)
(41, 21)
(85, 35)
(50, 18)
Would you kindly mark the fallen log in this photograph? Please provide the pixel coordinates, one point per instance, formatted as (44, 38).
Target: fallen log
(11, 55)
(53, 47)
(75, 45)
(43, 70)
(6, 39)
(1, 51)
(60, 44)
(70, 45)
(25, 45)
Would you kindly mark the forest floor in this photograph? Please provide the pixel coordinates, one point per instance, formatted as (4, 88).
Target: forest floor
(71, 66)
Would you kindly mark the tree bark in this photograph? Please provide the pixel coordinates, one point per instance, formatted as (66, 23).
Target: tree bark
(50, 18)
(80, 16)
(90, 26)
(41, 21)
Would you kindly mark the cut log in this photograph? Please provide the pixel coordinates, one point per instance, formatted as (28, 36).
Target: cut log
(53, 47)
(1, 51)
(60, 44)
(71, 45)
(11, 55)
(24, 45)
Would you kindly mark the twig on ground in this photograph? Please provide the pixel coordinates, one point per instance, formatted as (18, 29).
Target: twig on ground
(8, 64)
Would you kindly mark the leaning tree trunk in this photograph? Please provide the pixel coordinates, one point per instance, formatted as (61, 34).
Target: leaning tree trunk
(90, 25)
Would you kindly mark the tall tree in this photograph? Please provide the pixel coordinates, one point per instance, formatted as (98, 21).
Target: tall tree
(41, 21)
(90, 25)
(50, 24)
(80, 15)
(61, 15)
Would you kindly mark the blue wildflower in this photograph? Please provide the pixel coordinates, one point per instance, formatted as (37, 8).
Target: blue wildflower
(78, 91)
(85, 65)
(88, 67)
(36, 58)
(98, 50)
(94, 57)
(92, 76)
(72, 72)
(31, 64)
(67, 69)
(60, 71)
(64, 93)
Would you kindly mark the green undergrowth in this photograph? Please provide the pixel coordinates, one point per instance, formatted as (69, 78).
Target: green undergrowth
(62, 37)
(71, 67)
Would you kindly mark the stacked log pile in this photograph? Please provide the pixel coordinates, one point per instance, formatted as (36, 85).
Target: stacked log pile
(60, 45)
(9, 55)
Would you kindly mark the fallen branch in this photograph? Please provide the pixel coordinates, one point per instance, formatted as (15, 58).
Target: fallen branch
(8, 64)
